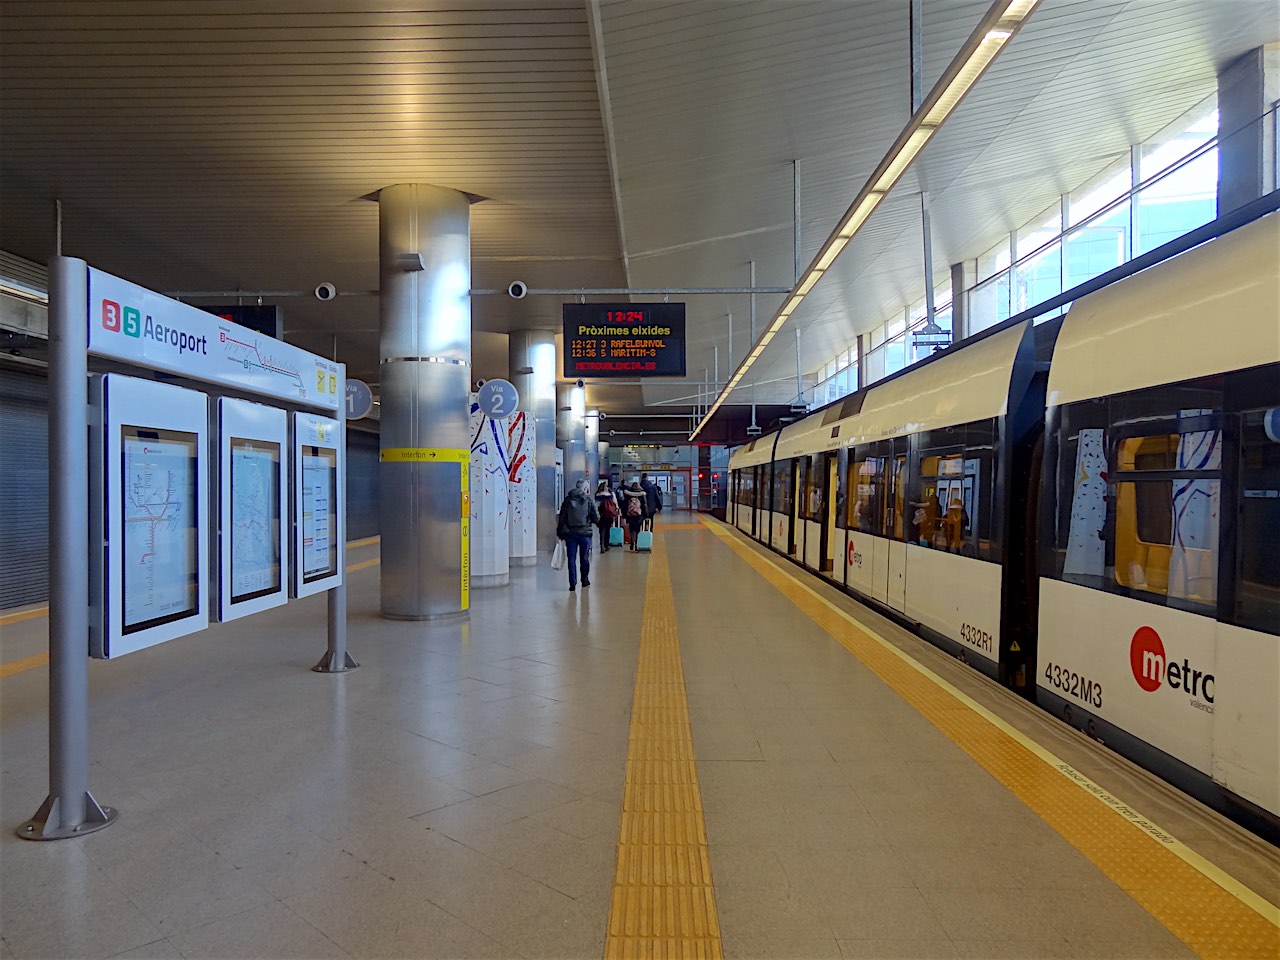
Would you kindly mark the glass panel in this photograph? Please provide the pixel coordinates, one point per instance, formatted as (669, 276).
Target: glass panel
(1098, 246)
(989, 303)
(895, 355)
(1189, 132)
(875, 365)
(1040, 231)
(1258, 585)
(866, 502)
(1111, 184)
(994, 260)
(1178, 203)
(1038, 279)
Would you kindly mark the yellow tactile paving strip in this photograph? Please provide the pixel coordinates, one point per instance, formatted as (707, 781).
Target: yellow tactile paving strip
(664, 905)
(1213, 914)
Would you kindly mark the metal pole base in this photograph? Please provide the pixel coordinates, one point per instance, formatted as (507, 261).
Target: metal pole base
(47, 823)
(327, 665)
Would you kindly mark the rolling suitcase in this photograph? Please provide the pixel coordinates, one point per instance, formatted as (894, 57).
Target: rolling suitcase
(644, 539)
(615, 534)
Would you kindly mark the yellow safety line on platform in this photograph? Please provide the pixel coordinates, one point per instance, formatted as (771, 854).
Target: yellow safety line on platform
(664, 903)
(21, 615)
(42, 659)
(366, 542)
(1212, 912)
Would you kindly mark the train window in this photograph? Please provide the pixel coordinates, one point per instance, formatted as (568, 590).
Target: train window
(897, 496)
(811, 507)
(1167, 490)
(866, 501)
(782, 486)
(953, 491)
(1257, 595)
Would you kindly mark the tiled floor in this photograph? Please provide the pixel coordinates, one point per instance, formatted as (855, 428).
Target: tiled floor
(459, 794)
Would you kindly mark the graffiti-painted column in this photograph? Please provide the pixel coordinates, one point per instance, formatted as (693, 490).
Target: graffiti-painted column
(522, 488)
(490, 468)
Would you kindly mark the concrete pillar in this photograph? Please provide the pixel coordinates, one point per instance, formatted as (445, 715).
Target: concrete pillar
(962, 278)
(532, 357)
(1246, 87)
(571, 428)
(425, 349)
(490, 508)
(591, 440)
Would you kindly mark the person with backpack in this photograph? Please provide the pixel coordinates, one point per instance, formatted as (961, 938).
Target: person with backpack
(607, 505)
(653, 496)
(636, 511)
(578, 517)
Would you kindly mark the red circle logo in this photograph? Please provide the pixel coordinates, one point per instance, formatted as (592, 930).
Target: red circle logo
(1147, 659)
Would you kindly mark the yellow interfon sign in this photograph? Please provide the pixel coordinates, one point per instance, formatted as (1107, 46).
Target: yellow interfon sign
(425, 455)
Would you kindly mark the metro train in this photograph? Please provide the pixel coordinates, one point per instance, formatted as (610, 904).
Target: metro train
(1086, 510)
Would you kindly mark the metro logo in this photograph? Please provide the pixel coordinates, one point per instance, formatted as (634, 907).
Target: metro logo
(113, 316)
(1147, 659)
(1151, 668)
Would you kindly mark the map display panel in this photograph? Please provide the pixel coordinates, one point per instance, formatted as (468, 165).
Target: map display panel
(319, 520)
(159, 512)
(255, 519)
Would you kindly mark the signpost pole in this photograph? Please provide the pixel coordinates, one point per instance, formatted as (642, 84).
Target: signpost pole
(336, 659)
(69, 810)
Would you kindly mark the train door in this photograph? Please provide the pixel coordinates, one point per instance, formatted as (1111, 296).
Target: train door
(832, 484)
(896, 587)
(794, 531)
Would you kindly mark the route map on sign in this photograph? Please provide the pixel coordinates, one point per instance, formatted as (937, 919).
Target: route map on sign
(255, 518)
(319, 490)
(159, 515)
(255, 355)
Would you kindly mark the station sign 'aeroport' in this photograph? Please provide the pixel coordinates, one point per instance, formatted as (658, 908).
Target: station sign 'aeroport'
(623, 340)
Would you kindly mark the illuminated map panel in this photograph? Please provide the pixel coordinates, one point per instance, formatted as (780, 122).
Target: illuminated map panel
(319, 495)
(253, 562)
(149, 509)
(160, 567)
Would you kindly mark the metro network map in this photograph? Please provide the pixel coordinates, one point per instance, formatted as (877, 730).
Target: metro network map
(255, 518)
(159, 511)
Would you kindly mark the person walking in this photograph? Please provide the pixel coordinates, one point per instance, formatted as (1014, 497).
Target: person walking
(578, 516)
(636, 511)
(653, 497)
(607, 505)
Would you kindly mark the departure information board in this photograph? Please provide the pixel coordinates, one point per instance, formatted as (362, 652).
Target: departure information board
(623, 340)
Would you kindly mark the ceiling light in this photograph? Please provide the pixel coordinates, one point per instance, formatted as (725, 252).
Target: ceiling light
(833, 251)
(1018, 9)
(855, 219)
(906, 153)
(809, 283)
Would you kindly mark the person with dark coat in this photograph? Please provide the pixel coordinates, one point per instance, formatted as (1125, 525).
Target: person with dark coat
(636, 510)
(653, 496)
(607, 505)
(578, 518)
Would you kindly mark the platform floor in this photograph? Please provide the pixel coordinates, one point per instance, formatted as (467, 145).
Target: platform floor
(704, 753)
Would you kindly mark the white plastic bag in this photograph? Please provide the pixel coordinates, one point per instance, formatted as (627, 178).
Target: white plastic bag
(558, 556)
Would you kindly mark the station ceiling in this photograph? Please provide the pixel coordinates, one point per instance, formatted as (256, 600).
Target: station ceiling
(233, 145)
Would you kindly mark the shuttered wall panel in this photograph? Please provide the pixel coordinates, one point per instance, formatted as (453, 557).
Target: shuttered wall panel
(362, 485)
(24, 489)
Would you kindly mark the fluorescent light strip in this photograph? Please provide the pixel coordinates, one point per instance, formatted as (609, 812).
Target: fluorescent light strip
(965, 79)
(860, 213)
(915, 143)
(973, 67)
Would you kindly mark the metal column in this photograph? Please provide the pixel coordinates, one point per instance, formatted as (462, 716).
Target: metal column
(571, 428)
(532, 357)
(591, 443)
(69, 810)
(425, 346)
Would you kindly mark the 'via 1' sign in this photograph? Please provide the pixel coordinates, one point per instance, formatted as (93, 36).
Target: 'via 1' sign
(623, 340)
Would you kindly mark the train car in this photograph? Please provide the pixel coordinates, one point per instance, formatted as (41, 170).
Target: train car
(902, 494)
(1159, 621)
(1086, 509)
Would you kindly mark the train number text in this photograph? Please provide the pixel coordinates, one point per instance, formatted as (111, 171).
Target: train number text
(1068, 681)
(976, 637)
